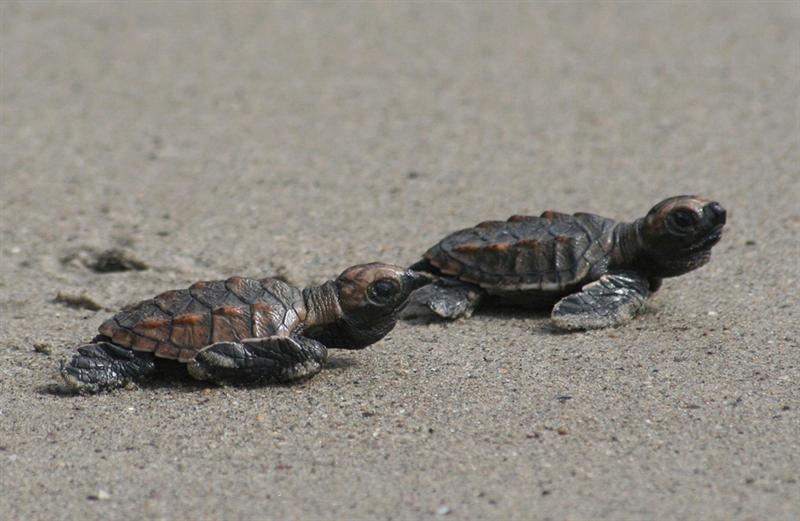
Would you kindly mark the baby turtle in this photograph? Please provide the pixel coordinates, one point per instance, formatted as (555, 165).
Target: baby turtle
(244, 330)
(596, 272)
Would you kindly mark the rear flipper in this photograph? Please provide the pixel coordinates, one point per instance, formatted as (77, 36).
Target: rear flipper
(447, 298)
(612, 300)
(266, 360)
(102, 365)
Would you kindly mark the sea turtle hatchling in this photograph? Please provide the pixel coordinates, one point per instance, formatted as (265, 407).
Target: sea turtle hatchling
(244, 330)
(594, 272)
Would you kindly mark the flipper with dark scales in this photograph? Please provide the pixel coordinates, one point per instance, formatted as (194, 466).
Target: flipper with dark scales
(612, 300)
(262, 360)
(447, 298)
(101, 365)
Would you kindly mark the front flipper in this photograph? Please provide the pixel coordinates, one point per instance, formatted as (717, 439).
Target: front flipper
(271, 359)
(612, 300)
(446, 298)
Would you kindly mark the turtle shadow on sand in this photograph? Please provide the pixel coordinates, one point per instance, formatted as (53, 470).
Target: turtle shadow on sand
(340, 363)
(182, 385)
(538, 318)
(177, 379)
(169, 375)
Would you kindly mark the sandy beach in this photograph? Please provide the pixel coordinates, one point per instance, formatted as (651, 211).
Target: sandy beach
(295, 139)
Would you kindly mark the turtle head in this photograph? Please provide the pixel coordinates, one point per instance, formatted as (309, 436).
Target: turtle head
(370, 297)
(678, 233)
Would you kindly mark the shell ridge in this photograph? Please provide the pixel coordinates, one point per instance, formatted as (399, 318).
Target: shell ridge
(210, 327)
(209, 291)
(171, 323)
(593, 237)
(232, 292)
(292, 299)
(209, 308)
(512, 230)
(269, 292)
(152, 341)
(210, 319)
(284, 319)
(253, 317)
(276, 299)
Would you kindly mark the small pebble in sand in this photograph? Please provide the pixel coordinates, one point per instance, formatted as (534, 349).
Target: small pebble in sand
(77, 301)
(105, 261)
(101, 495)
(443, 510)
(116, 260)
(43, 347)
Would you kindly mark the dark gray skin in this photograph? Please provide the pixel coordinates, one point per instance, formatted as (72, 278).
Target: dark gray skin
(593, 271)
(244, 330)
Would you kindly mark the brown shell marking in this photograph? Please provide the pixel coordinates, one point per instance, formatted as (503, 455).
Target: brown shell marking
(167, 350)
(550, 253)
(107, 327)
(451, 267)
(532, 244)
(153, 328)
(500, 247)
(126, 338)
(177, 324)
(141, 343)
(231, 323)
(122, 337)
(262, 320)
(191, 331)
(468, 248)
(172, 300)
(552, 215)
(210, 293)
(248, 290)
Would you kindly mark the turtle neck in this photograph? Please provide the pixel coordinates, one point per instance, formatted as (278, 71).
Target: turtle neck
(322, 304)
(627, 245)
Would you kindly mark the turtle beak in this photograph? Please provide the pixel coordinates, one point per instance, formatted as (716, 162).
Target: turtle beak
(416, 279)
(716, 213)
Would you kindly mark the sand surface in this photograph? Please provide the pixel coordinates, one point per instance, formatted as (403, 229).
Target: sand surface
(298, 139)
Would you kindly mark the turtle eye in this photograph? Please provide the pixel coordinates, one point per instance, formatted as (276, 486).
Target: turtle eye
(683, 219)
(383, 291)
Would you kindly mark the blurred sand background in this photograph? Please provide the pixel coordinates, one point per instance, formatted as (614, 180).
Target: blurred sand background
(299, 138)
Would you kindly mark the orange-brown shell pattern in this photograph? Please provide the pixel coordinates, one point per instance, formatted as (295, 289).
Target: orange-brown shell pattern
(551, 252)
(177, 324)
